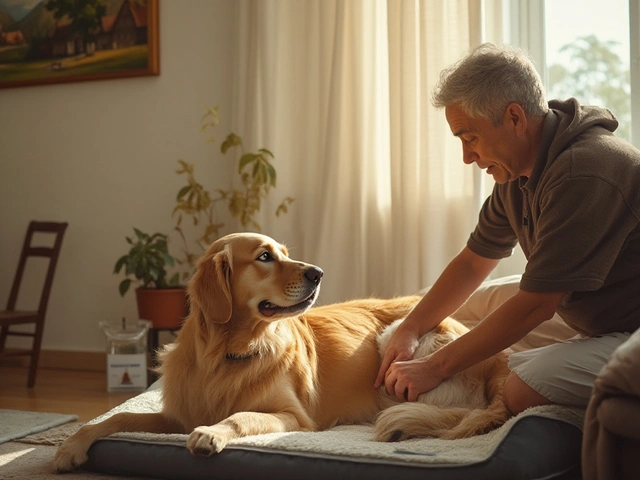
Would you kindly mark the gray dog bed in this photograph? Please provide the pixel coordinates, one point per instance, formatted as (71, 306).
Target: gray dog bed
(541, 443)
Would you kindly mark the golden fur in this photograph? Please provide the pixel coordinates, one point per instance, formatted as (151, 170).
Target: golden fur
(253, 357)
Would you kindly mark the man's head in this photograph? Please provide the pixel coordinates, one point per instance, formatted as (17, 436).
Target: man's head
(494, 101)
(488, 79)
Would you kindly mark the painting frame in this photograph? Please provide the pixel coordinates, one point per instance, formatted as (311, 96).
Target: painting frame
(106, 72)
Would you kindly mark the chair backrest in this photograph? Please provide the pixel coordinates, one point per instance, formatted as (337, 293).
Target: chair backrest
(28, 250)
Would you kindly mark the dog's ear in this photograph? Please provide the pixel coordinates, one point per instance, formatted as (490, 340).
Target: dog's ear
(210, 287)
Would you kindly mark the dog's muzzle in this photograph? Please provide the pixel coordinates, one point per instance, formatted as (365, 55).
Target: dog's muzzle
(312, 277)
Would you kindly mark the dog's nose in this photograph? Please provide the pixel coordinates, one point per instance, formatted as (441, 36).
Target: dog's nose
(314, 274)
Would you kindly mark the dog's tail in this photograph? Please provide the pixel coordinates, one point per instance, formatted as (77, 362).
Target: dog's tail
(417, 420)
(479, 421)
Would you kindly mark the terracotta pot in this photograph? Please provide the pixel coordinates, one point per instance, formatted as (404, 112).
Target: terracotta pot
(164, 307)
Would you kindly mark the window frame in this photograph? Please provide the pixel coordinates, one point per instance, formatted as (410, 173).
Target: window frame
(525, 24)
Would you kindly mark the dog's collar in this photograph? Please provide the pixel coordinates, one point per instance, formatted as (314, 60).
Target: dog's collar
(240, 356)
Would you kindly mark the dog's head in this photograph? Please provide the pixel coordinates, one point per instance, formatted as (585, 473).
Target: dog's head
(251, 276)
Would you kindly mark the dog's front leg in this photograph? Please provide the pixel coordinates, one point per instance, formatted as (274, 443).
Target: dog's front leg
(206, 440)
(73, 452)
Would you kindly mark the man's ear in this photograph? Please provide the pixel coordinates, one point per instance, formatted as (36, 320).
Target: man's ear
(210, 287)
(516, 117)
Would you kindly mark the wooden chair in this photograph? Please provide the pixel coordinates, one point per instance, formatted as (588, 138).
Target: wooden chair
(11, 316)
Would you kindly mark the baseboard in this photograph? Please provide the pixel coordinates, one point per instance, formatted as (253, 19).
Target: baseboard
(63, 360)
(73, 360)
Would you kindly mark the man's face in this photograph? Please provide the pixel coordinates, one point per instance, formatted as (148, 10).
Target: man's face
(492, 148)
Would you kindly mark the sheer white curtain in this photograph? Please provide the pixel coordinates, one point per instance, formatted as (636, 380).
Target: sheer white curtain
(340, 92)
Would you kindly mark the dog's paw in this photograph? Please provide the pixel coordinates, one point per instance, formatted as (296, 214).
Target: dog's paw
(209, 440)
(71, 454)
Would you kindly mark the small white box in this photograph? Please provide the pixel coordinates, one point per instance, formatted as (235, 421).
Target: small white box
(126, 354)
(126, 372)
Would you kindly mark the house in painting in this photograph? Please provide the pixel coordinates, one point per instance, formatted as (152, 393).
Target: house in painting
(11, 38)
(126, 28)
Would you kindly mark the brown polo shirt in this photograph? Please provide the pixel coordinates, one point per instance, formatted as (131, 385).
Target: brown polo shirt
(577, 219)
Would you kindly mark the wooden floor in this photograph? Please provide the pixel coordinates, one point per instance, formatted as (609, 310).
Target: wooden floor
(83, 393)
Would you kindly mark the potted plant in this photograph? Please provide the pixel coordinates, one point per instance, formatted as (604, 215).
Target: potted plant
(160, 299)
(257, 176)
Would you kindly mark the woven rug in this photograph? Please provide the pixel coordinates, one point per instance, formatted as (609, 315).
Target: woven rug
(17, 424)
(31, 457)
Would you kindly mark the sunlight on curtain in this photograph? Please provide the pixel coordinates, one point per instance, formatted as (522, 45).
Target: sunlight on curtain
(340, 92)
(433, 209)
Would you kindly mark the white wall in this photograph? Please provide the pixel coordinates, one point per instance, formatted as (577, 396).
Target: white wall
(101, 155)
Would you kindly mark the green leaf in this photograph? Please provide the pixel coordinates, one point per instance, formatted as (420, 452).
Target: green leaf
(246, 159)
(211, 112)
(186, 167)
(124, 286)
(175, 279)
(266, 152)
(256, 174)
(131, 265)
(231, 141)
(120, 263)
(183, 191)
(158, 237)
(271, 174)
(168, 259)
(139, 234)
(154, 273)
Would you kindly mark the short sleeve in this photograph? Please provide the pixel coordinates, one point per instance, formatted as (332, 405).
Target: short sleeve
(493, 236)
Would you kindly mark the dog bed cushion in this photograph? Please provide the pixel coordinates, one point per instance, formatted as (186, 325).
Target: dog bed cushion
(543, 442)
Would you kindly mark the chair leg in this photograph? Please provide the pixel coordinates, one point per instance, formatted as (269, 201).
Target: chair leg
(35, 353)
(3, 337)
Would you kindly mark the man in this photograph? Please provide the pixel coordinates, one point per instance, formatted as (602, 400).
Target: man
(568, 190)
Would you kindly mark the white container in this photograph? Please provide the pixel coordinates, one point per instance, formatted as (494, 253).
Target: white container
(126, 355)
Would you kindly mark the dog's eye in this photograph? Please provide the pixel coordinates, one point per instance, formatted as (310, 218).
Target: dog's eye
(265, 257)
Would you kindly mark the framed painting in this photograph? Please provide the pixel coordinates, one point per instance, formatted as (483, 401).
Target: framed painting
(56, 41)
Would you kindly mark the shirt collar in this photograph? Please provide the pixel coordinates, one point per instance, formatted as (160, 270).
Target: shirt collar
(549, 129)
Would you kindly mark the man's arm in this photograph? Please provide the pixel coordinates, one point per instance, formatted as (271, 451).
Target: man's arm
(499, 330)
(457, 282)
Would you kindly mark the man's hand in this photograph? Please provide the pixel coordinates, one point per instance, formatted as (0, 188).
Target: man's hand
(401, 347)
(507, 324)
(407, 380)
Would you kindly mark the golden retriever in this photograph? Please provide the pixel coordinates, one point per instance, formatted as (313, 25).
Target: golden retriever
(252, 357)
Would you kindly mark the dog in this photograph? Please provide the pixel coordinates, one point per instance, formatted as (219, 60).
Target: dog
(253, 357)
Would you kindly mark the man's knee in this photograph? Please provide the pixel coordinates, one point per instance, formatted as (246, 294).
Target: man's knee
(518, 396)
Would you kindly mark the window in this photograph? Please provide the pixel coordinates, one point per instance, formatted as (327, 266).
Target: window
(587, 49)
(584, 49)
